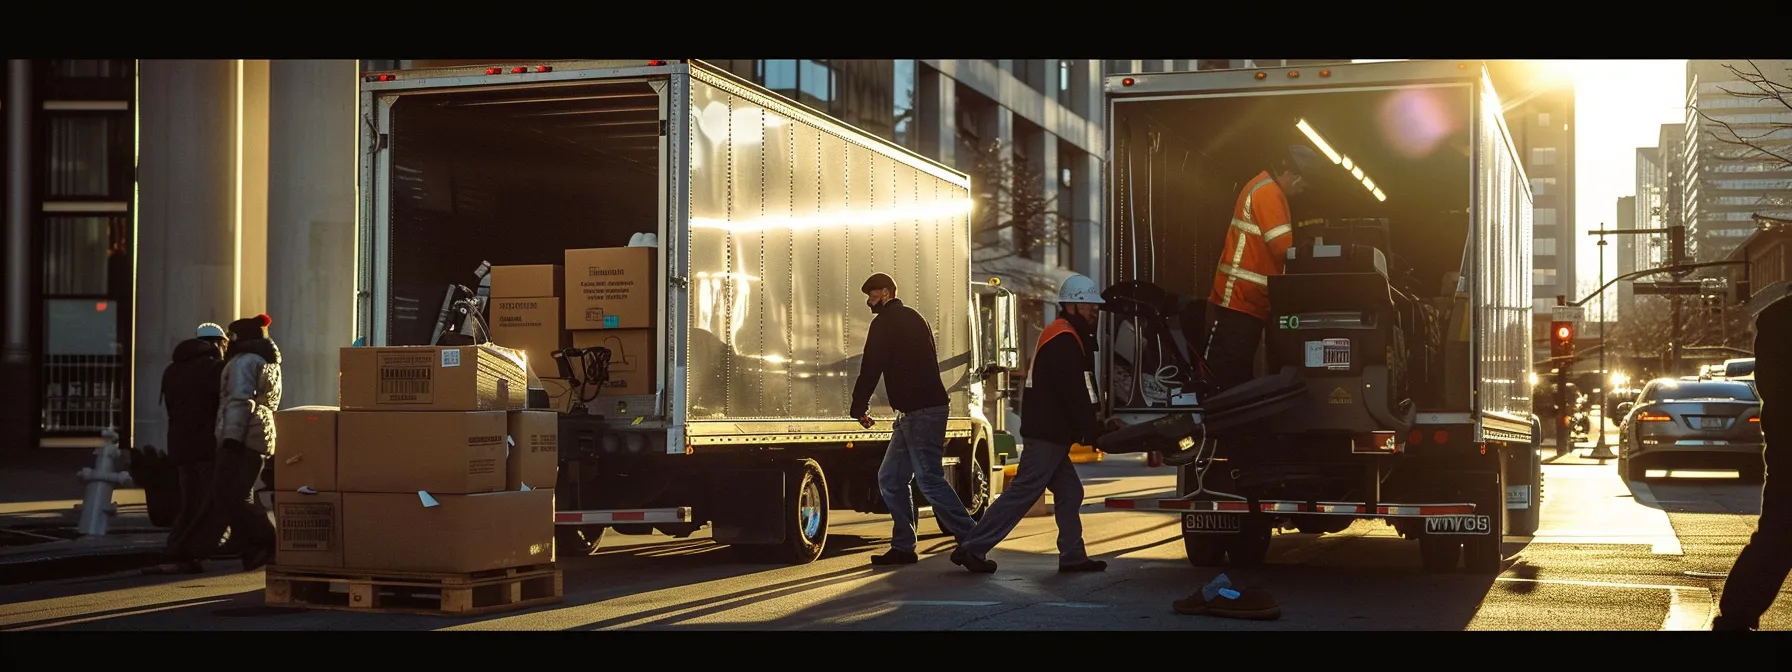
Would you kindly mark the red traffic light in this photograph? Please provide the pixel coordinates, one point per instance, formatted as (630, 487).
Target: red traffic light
(1564, 332)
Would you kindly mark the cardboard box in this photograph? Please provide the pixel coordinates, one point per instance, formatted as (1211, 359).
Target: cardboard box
(447, 453)
(531, 325)
(305, 449)
(534, 450)
(431, 378)
(631, 358)
(519, 282)
(459, 534)
(611, 287)
(308, 529)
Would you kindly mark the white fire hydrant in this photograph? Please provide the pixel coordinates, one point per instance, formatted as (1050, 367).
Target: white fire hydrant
(97, 506)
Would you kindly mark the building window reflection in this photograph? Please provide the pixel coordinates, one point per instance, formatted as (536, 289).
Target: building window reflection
(905, 109)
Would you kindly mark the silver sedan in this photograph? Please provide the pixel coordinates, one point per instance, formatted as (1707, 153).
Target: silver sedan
(1691, 424)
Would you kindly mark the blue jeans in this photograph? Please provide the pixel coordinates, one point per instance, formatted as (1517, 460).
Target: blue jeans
(1044, 465)
(917, 451)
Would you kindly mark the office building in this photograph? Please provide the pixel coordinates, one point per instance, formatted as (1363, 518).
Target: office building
(1540, 115)
(1626, 253)
(1725, 183)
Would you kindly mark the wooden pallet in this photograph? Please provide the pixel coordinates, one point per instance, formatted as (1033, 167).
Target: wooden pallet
(385, 592)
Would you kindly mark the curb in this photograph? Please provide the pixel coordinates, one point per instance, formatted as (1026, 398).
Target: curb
(76, 559)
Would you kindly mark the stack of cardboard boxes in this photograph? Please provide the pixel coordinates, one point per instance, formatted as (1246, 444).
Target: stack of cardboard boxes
(429, 464)
(602, 297)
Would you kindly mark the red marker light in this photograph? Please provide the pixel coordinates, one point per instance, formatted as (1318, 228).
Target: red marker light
(544, 68)
(103, 305)
(1417, 437)
(1440, 437)
(494, 71)
(656, 63)
(518, 70)
(1127, 82)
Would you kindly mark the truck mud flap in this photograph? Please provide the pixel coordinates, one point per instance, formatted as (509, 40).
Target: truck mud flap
(747, 507)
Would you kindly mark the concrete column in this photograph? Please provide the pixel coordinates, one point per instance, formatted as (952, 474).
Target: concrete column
(1045, 160)
(22, 396)
(252, 194)
(186, 220)
(938, 100)
(311, 221)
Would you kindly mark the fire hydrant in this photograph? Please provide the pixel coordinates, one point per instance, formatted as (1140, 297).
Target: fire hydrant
(97, 505)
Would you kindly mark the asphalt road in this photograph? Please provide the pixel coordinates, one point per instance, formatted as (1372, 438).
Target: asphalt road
(1609, 556)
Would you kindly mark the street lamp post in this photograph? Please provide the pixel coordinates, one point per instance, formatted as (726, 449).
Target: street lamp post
(1601, 451)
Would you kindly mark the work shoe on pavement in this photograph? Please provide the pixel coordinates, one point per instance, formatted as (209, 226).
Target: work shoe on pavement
(1089, 565)
(1251, 604)
(178, 567)
(895, 557)
(963, 558)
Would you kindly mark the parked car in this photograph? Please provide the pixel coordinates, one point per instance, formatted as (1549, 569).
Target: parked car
(1682, 424)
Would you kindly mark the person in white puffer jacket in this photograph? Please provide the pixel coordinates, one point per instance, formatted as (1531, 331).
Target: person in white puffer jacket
(249, 393)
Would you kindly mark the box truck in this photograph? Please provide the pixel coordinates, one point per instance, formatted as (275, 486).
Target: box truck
(1393, 377)
(765, 217)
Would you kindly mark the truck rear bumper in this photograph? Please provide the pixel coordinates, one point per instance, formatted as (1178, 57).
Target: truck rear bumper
(1287, 507)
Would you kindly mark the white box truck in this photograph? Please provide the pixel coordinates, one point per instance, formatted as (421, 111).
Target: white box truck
(768, 217)
(1393, 378)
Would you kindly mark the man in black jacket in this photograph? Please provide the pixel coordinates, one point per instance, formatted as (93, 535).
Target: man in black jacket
(190, 391)
(899, 349)
(1762, 566)
(1059, 408)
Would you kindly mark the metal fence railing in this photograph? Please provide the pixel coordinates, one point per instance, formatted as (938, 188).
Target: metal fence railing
(83, 393)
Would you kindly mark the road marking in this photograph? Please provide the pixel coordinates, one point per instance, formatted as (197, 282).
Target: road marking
(1688, 612)
(1598, 584)
(945, 603)
(1075, 605)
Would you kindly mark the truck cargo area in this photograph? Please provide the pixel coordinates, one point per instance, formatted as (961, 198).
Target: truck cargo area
(1400, 155)
(513, 176)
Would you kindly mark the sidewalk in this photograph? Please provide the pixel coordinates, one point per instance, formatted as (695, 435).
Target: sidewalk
(39, 495)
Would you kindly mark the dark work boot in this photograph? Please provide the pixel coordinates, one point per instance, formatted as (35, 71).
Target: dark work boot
(895, 557)
(963, 558)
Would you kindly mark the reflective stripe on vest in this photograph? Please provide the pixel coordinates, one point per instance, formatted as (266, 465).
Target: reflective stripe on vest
(1246, 226)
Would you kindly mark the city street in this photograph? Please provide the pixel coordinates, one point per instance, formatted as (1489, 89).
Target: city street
(1608, 557)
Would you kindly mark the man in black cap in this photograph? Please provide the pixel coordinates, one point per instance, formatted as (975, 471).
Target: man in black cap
(190, 392)
(899, 349)
(1761, 568)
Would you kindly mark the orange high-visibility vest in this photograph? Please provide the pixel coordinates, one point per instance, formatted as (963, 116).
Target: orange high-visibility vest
(1058, 327)
(1256, 247)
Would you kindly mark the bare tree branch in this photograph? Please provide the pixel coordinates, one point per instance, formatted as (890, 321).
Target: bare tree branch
(1764, 89)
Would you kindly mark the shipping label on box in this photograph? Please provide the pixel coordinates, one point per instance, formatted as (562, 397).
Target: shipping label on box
(631, 358)
(611, 288)
(515, 282)
(308, 529)
(432, 378)
(534, 450)
(448, 533)
(532, 326)
(307, 448)
(437, 452)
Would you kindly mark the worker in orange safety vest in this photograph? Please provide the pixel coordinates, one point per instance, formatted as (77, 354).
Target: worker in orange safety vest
(1256, 247)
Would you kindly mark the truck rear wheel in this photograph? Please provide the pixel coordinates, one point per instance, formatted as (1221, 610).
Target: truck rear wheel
(805, 513)
(1250, 546)
(1439, 554)
(1204, 549)
(1481, 553)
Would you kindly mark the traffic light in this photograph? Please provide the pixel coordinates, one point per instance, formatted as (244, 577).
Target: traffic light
(1561, 340)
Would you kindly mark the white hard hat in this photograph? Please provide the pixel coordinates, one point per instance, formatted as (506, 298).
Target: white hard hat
(209, 330)
(1079, 289)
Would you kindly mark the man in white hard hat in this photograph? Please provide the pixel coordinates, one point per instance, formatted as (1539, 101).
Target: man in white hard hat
(1058, 409)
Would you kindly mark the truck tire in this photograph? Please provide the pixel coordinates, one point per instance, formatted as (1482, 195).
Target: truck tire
(805, 513)
(1250, 547)
(1439, 554)
(1482, 554)
(1204, 550)
(576, 540)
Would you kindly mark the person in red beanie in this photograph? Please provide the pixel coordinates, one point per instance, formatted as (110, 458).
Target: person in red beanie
(249, 393)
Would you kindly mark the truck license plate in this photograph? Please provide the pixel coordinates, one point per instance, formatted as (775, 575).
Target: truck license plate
(1458, 525)
(1212, 523)
(1331, 353)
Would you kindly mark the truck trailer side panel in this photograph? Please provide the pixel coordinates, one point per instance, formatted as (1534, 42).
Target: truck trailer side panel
(789, 213)
(1502, 277)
